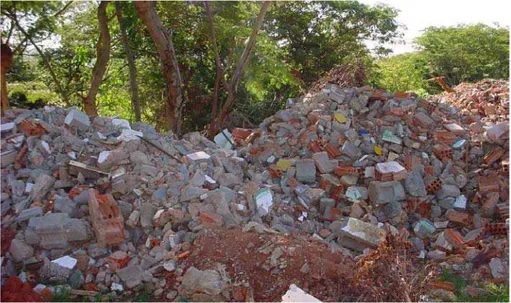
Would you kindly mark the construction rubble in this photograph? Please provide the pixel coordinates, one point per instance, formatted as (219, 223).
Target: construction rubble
(101, 206)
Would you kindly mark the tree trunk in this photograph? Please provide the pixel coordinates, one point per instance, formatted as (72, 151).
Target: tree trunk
(102, 57)
(6, 61)
(169, 65)
(219, 69)
(238, 72)
(131, 61)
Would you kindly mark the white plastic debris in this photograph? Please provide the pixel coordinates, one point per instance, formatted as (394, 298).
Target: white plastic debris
(197, 156)
(39, 288)
(66, 261)
(116, 287)
(103, 156)
(460, 202)
(264, 200)
(296, 294)
(222, 141)
(28, 187)
(389, 167)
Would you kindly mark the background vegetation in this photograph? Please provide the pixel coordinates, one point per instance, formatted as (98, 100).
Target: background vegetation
(55, 53)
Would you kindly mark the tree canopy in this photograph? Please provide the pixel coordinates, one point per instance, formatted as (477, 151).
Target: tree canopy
(236, 59)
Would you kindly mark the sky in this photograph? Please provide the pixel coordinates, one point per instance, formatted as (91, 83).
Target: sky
(419, 14)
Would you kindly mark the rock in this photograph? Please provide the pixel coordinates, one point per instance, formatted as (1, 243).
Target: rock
(76, 230)
(77, 119)
(147, 212)
(305, 170)
(498, 268)
(131, 275)
(76, 279)
(201, 282)
(65, 205)
(42, 186)
(323, 163)
(447, 190)
(385, 192)
(414, 184)
(359, 235)
(53, 272)
(29, 213)
(20, 251)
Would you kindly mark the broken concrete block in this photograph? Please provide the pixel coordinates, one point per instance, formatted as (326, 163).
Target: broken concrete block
(389, 171)
(43, 184)
(77, 119)
(305, 170)
(385, 192)
(29, 213)
(414, 184)
(351, 150)
(323, 163)
(190, 192)
(208, 283)
(423, 119)
(147, 212)
(359, 235)
(447, 190)
(131, 275)
(50, 229)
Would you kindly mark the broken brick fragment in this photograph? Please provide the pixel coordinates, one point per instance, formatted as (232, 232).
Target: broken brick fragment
(106, 219)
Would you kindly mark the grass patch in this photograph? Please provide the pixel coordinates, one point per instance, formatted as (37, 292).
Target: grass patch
(493, 292)
(61, 294)
(458, 281)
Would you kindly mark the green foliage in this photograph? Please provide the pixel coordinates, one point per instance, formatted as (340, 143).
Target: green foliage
(458, 281)
(299, 41)
(405, 72)
(61, 294)
(492, 292)
(321, 35)
(31, 94)
(466, 52)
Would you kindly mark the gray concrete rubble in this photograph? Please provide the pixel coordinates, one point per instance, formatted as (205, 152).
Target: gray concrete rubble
(124, 205)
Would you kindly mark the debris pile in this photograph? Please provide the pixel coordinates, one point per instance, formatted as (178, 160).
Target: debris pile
(104, 206)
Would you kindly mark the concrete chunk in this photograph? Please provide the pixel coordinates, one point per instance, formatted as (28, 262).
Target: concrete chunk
(305, 170)
(323, 163)
(20, 251)
(385, 192)
(359, 235)
(131, 275)
(43, 184)
(77, 119)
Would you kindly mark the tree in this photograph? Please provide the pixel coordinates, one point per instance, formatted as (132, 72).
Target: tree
(6, 62)
(131, 61)
(169, 65)
(321, 35)
(46, 14)
(216, 121)
(466, 52)
(103, 55)
(405, 72)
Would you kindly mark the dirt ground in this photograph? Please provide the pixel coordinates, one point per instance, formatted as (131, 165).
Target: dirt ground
(247, 257)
